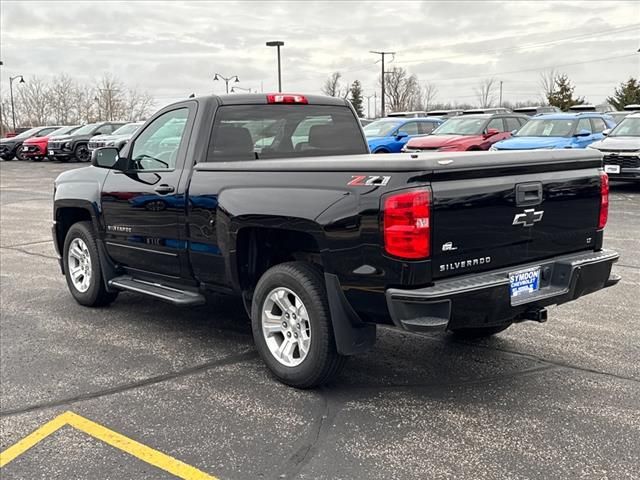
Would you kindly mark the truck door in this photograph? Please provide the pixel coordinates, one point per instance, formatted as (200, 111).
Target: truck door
(142, 207)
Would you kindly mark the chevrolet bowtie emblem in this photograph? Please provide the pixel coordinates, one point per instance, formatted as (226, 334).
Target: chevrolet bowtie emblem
(528, 218)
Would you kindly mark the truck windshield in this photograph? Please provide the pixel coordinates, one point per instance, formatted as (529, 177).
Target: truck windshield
(546, 128)
(250, 132)
(629, 127)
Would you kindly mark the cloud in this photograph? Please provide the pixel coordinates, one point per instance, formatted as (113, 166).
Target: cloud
(172, 49)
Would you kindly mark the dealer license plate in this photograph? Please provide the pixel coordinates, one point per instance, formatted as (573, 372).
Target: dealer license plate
(612, 168)
(524, 281)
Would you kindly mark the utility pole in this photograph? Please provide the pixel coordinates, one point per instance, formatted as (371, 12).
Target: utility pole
(500, 93)
(382, 54)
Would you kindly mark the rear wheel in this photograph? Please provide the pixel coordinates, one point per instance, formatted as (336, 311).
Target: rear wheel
(19, 154)
(479, 332)
(382, 150)
(82, 153)
(82, 267)
(292, 327)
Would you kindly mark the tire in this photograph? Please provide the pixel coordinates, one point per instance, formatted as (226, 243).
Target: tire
(382, 150)
(302, 285)
(479, 332)
(19, 155)
(81, 251)
(82, 153)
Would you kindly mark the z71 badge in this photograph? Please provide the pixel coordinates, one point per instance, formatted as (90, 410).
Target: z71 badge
(368, 180)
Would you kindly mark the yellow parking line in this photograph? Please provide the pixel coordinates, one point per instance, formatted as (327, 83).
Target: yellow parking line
(125, 444)
(30, 440)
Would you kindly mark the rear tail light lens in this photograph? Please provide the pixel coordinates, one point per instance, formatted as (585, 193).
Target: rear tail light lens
(406, 224)
(604, 200)
(286, 98)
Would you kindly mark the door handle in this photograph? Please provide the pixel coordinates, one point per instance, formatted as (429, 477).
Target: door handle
(164, 189)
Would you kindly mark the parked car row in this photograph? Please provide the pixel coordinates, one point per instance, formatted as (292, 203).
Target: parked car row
(65, 143)
(619, 143)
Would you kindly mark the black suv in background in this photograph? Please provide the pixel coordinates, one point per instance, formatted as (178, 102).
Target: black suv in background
(75, 145)
(10, 147)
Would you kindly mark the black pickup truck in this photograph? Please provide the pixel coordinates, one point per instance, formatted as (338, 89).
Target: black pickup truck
(275, 198)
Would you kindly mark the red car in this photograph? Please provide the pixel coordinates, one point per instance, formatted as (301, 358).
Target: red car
(36, 148)
(468, 132)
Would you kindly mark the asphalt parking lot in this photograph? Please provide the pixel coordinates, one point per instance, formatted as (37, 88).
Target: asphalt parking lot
(151, 385)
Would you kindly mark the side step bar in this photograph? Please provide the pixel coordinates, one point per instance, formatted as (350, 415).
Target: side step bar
(178, 297)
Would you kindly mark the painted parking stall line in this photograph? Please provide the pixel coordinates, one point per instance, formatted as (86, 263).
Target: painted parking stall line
(116, 440)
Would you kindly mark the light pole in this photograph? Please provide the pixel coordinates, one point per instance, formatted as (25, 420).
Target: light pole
(277, 44)
(226, 79)
(13, 110)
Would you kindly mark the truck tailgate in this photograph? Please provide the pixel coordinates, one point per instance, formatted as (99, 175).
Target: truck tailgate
(483, 220)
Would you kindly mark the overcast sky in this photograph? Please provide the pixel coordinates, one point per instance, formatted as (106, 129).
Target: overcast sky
(172, 49)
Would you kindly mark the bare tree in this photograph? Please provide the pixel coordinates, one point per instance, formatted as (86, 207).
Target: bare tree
(65, 101)
(402, 90)
(139, 105)
(111, 98)
(333, 86)
(547, 84)
(34, 102)
(429, 94)
(5, 116)
(85, 105)
(61, 98)
(485, 93)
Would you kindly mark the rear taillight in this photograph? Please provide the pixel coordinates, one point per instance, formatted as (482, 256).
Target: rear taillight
(604, 200)
(286, 98)
(406, 224)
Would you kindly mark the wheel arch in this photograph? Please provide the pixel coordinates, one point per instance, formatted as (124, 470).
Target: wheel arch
(352, 336)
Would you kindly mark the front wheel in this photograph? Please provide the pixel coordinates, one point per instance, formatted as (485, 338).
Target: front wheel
(19, 155)
(82, 153)
(479, 332)
(292, 326)
(82, 267)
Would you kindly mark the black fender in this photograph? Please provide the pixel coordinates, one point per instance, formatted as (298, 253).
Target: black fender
(80, 189)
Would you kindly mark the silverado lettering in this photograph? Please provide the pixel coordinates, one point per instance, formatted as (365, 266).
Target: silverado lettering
(209, 196)
(465, 263)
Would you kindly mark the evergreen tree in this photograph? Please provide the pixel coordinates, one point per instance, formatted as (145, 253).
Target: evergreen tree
(626, 94)
(356, 98)
(562, 95)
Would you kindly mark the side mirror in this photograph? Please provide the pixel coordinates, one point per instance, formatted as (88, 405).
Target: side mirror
(513, 132)
(491, 132)
(97, 133)
(105, 157)
(583, 133)
(606, 132)
(401, 135)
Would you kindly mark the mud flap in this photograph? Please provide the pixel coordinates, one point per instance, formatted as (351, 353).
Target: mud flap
(351, 334)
